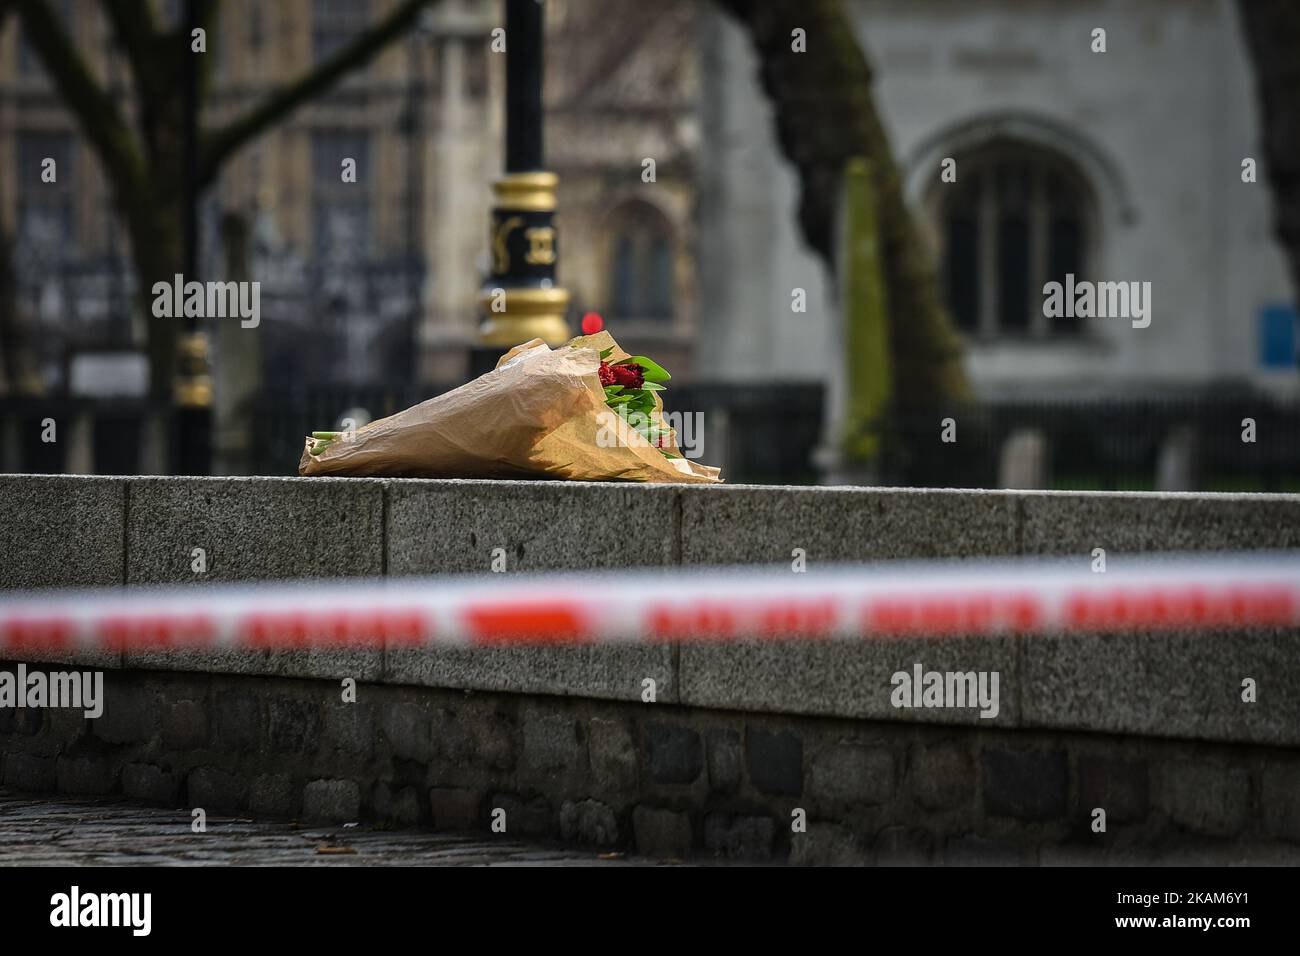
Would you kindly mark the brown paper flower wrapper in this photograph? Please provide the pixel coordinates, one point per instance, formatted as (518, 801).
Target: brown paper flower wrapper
(540, 413)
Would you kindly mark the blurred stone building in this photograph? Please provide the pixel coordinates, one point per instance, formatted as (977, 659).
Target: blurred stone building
(1116, 166)
(1120, 166)
(353, 273)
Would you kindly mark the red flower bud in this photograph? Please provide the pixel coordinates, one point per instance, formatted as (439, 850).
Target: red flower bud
(629, 376)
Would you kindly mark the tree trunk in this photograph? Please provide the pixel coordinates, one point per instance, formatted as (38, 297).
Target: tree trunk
(158, 256)
(144, 161)
(825, 117)
(1272, 29)
(12, 352)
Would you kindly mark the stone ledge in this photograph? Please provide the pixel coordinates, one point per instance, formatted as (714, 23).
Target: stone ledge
(69, 531)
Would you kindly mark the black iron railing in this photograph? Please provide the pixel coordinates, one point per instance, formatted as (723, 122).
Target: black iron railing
(770, 434)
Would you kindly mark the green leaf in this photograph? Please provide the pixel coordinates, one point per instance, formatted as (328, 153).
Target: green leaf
(635, 394)
(654, 372)
(605, 354)
(653, 387)
(638, 421)
(613, 389)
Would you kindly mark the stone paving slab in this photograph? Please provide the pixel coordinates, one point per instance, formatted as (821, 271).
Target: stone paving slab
(252, 529)
(472, 526)
(751, 524)
(61, 531)
(1075, 522)
(468, 526)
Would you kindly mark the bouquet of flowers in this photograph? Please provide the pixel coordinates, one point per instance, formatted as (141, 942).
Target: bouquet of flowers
(587, 411)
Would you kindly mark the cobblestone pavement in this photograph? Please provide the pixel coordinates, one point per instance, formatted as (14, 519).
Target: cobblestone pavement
(38, 831)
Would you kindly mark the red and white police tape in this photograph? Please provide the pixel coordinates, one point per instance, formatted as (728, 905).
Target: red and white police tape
(1021, 596)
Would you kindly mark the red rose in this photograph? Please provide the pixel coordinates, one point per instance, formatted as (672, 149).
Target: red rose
(606, 374)
(629, 376)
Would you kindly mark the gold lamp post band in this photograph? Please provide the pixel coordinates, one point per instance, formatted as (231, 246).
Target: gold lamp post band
(526, 192)
(193, 385)
(515, 315)
(520, 299)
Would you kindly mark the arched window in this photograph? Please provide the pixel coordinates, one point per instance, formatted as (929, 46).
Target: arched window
(641, 271)
(1017, 217)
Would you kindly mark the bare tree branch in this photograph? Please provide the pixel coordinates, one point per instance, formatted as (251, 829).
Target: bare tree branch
(207, 18)
(137, 33)
(220, 145)
(94, 109)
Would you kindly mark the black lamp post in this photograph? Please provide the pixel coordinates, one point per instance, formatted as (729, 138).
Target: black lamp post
(413, 128)
(521, 300)
(192, 422)
(525, 23)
